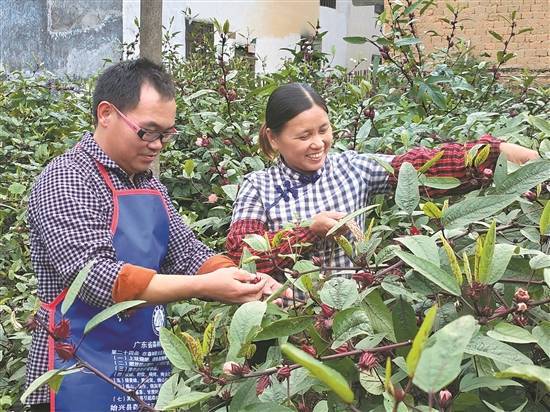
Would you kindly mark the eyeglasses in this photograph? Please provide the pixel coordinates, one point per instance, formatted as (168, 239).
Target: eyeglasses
(147, 135)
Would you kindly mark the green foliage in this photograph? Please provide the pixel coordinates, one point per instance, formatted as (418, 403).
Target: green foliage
(492, 236)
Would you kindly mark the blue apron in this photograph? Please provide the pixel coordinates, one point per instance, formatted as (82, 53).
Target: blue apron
(125, 347)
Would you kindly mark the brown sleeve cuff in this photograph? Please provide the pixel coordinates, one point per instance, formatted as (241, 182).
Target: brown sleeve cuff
(215, 262)
(131, 281)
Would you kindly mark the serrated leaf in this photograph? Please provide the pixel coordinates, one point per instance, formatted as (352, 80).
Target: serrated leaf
(248, 261)
(474, 209)
(431, 272)
(542, 124)
(487, 347)
(436, 182)
(208, 338)
(407, 195)
(339, 293)
(420, 340)
(440, 360)
(404, 323)
(109, 312)
(78, 281)
(379, 314)
(471, 382)
(231, 191)
(16, 188)
(246, 318)
(487, 254)
(176, 351)
(188, 399)
(348, 324)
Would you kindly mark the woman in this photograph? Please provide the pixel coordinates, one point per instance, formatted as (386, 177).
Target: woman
(307, 182)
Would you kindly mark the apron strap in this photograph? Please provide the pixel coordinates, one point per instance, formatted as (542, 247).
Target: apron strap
(105, 176)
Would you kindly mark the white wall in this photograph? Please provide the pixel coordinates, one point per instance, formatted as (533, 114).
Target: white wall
(274, 23)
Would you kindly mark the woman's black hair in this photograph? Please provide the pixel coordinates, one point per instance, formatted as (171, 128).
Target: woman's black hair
(121, 84)
(285, 103)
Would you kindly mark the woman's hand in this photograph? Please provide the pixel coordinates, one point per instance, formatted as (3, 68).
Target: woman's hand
(322, 222)
(271, 286)
(231, 285)
(518, 154)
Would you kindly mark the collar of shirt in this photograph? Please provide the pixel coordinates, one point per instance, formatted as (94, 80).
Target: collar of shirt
(291, 174)
(90, 146)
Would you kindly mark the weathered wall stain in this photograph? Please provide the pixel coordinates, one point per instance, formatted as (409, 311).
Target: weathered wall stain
(71, 37)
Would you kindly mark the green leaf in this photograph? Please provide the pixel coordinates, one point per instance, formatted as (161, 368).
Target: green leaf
(471, 382)
(407, 41)
(433, 273)
(542, 335)
(379, 314)
(188, 167)
(371, 382)
(487, 347)
(440, 360)
(246, 319)
(231, 191)
(506, 332)
(17, 188)
(544, 223)
(171, 389)
(265, 406)
(495, 35)
(487, 253)
(455, 267)
(78, 281)
(426, 166)
(527, 372)
(38, 382)
(110, 312)
(420, 340)
(542, 124)
(345, 244)
(430, 209)
(421, 246)
(501, 258)
(339, 293)
(257, 242)
(330, 377)
(474, 209)
(539, 262)
(404, 323)
(355, 39)
(284, 327)
(188, 399)
(501, 169)
(208, 337)
(349, 217)
(524, 178)
(248, 261)
(437, 182)
(348, 324)
(407, 195)
(175, 349)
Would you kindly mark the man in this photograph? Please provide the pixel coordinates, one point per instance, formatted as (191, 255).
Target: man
(99, 202)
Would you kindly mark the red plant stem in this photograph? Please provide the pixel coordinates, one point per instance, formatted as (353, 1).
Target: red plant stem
(523, 281)
(354, 352)
(515, 307)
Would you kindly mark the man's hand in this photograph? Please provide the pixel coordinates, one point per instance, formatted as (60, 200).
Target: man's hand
(322, 222)
(518, 154)
(230, 285)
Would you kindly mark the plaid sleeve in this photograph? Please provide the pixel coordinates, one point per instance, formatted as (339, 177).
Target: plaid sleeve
(270, 261)
(372, 171)
(450, 165)
(71, 226)
(186, 253)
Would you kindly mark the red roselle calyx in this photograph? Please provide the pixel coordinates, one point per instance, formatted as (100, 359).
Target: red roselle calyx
(363, 277)
(327, 311)
(414, 231)
(309, 349)
(233, 368)
(530, 196)
(263, 383)
(487, 173)
(500, 311)
(520, 319)
(367, 361)
(283, 373)
(64, 350)
(521, 295)
(31, 324)
(521, 307)
(62, 330)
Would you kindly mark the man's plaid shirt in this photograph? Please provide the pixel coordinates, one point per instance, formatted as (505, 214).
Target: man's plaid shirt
(70, 210)
(269, 199)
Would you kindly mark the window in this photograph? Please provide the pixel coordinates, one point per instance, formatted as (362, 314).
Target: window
(199, 35)
(328, 3)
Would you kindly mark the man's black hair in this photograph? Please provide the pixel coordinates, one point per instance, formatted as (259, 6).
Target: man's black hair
(120, 84)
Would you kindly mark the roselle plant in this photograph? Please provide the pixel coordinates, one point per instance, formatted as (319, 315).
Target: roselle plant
(447, 303)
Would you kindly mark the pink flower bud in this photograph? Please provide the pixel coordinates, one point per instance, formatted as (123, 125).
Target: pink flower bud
(283, 373)
(522, 295)
(198, 142)
(212, 198)
(444, 397)
(521, 307)
(326, 310)
(228, 367)
(487, 173)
